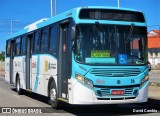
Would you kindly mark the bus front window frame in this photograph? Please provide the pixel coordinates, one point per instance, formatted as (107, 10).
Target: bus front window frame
(113, 33)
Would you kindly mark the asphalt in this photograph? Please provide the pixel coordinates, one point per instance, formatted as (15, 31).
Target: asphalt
(154, 86)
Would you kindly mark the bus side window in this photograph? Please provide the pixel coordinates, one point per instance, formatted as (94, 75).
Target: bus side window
(44, 41)
(36, 44)
(8, 48)
(17, 46)
(52, 39)
(23, 45)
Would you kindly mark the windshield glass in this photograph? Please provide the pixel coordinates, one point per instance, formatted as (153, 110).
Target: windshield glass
(111, 44)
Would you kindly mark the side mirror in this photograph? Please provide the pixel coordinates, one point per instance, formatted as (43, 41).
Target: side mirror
(74, 47)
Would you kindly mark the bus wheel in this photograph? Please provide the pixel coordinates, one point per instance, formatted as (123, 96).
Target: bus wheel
(19, 90)
(53, 96)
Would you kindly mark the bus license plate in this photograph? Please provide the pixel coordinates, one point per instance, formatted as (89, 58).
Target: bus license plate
(117, 92)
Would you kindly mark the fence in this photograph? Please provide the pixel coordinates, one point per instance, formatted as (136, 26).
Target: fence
(2, 68)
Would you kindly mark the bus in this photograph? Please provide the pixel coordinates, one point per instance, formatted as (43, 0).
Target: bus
(87, 55)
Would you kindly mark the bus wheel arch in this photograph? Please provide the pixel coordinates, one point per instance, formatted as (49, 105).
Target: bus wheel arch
(49, 82)
(52, 93)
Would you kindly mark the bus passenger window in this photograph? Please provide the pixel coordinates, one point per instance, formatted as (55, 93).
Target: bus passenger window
(17, 46)
(23, 45)
(44, 42)
(8, 48)
(36, 42)
(52, 39)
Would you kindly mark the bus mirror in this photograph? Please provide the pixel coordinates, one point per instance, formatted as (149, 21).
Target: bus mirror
(73, 35)
(74, 47)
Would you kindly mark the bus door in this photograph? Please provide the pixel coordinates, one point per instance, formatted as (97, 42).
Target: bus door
(12, 61)
(28, 62)
(63, 62)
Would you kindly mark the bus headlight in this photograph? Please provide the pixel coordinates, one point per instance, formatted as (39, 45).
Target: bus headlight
(144, 80)
(85, 81)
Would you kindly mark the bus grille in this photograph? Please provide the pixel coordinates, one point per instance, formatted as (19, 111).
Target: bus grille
(116, 72)
(125, 98)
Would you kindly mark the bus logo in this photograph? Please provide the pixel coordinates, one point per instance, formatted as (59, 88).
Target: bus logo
(132, 81)
(100, 81)
(118, 81)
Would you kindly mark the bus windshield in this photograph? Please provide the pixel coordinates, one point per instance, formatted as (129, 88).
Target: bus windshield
(111, 44)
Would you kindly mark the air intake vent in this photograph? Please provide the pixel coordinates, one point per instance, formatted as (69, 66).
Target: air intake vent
(116, 72)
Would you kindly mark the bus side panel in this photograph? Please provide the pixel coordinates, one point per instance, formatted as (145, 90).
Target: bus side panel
(41, 76)
(7, 70)
(35, 73)
(18, 69)
(50, 70)
(38, 74)
(43, 67)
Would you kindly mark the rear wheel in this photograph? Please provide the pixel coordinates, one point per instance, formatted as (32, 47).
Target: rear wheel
(53, 96)
(19, 90)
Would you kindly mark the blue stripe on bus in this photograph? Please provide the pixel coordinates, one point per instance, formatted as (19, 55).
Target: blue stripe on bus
(37, 74)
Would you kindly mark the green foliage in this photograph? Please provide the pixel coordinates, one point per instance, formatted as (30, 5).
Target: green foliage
(2, 57)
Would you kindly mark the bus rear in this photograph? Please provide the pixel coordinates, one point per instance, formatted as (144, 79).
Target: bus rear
(109, 60)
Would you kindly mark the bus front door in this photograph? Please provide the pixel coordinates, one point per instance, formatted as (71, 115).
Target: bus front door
(63, 62)
(28, 62)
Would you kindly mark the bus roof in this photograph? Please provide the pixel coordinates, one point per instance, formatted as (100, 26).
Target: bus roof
(70, 13)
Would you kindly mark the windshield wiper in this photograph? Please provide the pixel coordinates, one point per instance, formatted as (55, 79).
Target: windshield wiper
(130, 32)
(100, 27)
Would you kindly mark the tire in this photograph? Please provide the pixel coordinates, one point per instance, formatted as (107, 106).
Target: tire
(19, 90)
(112, 105)
(145, 104)
(53, 96)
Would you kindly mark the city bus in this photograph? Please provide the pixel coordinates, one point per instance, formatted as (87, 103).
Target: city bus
(87, 55)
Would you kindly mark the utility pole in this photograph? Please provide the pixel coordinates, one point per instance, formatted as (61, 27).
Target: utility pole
(51, 8)
(118, 3)
(12, 25)
(55, 7)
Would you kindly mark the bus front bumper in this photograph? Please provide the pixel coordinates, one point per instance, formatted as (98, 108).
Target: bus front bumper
(84, 95)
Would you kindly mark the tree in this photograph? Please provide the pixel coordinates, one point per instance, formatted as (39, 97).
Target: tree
(2, 56)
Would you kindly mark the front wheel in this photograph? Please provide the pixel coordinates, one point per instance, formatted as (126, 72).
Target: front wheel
(53, 96)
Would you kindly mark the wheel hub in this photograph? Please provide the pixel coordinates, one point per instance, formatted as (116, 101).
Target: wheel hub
(53, 95)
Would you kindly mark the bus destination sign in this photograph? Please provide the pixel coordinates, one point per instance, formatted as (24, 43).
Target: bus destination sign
(116, 15)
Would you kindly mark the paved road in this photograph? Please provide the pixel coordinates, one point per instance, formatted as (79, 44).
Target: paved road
(154, 77)
(9, 98)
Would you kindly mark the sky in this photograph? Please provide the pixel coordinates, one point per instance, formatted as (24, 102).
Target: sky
(29, 11)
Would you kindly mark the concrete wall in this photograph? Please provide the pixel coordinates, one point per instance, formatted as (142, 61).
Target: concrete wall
(154, 59)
